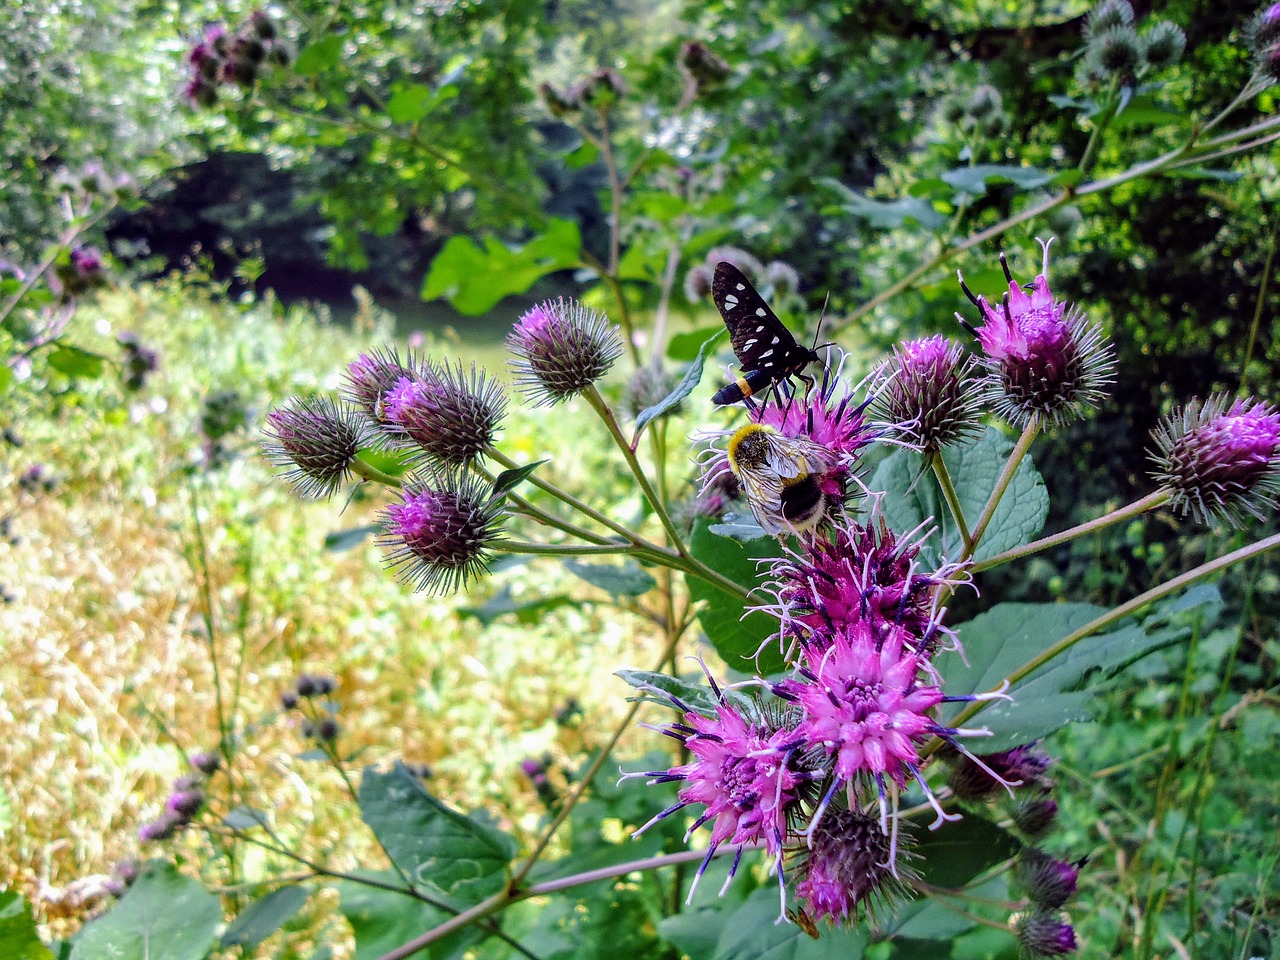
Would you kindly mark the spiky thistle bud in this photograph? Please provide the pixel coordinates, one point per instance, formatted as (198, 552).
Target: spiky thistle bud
(1219, 462)
(851, 866)
(1034, 817)
(1264, 31)
(1163, 44)
(704, 66)
(1116, 50)
(439, 536)
(1048, 881)
(1043, 933)
(650, 385)
(206, 762)
(561, 349)
(1022, 766)
(185, 803)
(1108, 15)
(737, 257)
(559, 104)
(927, 391)
(370, 377)
(601, 90)
(1044, 358)
(161, 828)
(449, 415)
(782, 277)
(316, 441)
(697, 283)
(326, 730)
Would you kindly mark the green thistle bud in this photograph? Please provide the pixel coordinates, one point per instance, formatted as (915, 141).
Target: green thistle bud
(1163, 44)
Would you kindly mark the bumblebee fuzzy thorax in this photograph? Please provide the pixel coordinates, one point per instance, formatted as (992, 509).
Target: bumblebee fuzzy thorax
(781, 477)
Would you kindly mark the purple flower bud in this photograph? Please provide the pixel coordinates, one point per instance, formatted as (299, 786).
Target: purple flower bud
(601, 90)
(1044, 934)
(327, 729)
(531, 768)
(1044, 359)
(782, 277)
(161, 828)
(851, 865)
(927, 393)
(370, 377)
(200, 92)
(87, 263)
(187, 781)
(561, 349)
(438, 537)
(450, 416)
(1022, 766)
(1035, 817)
(1264, 31)
(705, 67)
(316, 441)
(307, 685)
(1219, 463)
(697, 283)
(206, 762)
(289, 700)
(186, 803)
(260, 23)
(126, 871)
(1049, 882)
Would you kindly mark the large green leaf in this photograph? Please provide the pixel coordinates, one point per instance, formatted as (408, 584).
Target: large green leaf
(18, 937)
(163, 916)
(382, 920)
(474, 278)
(315, 58)
(734, 636)
(433, 843)
(1009, 635)
(974, 470)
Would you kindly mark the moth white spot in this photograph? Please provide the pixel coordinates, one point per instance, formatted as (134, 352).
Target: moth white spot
(774, 341)
(760, 329)
(751, 343)
(741, 286)
(730, 300)
(767, 353)
(759, 311)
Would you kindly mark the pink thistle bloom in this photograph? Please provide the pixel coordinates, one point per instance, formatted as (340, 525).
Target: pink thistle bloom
(840, 425)
(927, 393)
(1045, 359)
(560, 349)
(863, 701)
(1220, 462)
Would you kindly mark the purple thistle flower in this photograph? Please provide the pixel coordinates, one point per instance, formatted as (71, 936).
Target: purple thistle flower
(850, 864)
(185, 803)
(837, 424)
(87, 262)
(451, 416)
(438, 537)
(1034, 817)
(1264, 31)
(927, 392)
(1023, 766)
(316, 440)
(748, 774)
(161, 828)
(1043, 933)
(206, 762)
(371, 376)
(863, 701)
(561, 349)
(1049, 882)
(1044, 358)
(1219, 463)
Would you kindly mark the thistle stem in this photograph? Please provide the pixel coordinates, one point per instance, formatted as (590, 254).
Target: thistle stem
(953, 500)
(1002, 484)
(367, 471)
(1150, 502)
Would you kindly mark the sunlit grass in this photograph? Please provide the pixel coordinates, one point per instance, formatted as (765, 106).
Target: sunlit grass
(107, 680)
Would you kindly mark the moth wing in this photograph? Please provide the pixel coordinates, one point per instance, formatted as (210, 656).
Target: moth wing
(753, 326)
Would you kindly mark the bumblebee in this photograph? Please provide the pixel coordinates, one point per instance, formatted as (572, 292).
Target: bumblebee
(781, 477)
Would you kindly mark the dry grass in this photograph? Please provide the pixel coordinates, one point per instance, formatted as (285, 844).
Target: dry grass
(106, 677)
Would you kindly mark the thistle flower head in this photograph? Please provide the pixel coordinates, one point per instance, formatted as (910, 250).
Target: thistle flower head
(850, 865)
(370, 377)
(926, 390)
(449, 414)
(316, 441)
(828, 416)
(206, 762)
(744, 773)
(1043, 933)
(185, 803)
(1043, 357)
(561, 349)
(1023, 766)
(1163, 44)
(863, 701)
(1034, 817)
(438, 536)
(1049, 882)
(1219, 462)
(1264, 31)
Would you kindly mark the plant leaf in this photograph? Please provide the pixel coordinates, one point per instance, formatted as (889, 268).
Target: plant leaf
(163, 916)
(628, 580)
(692, 377)
(696, 696)
(264, 917)
(509, 479)
(19, 939)
(382, 920)
(433, 843)
(317, 57)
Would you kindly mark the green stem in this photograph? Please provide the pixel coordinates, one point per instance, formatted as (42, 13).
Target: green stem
(367, 471)
(1150, 502)
(1124, 610)
(1002, 484)
(563, 549)
(1099, 128)
(598, 404)
(953, 500)
(1267, 268)
(526, 508)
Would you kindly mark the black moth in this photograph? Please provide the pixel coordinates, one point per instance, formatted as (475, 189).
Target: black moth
(766, 349)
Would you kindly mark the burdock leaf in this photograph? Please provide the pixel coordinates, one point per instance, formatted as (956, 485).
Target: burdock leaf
(433, 843)
(509, 479)
(695, 696)
(163, 916)
(692, 377)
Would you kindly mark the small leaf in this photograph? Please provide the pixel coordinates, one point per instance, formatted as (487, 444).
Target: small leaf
(245, 818)
(975, 180)
(628, 580)
(695, 696)
(264, 917)
(6, 377)
(75, 362)
(1068, 178)
(742, 529)
(433, 843)
(317, 57)
(692, 377)
(340, 540)
(19, 939)
(409, 104)
(163, 916)
(885, 214)
(961, 849)
(509, 479)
